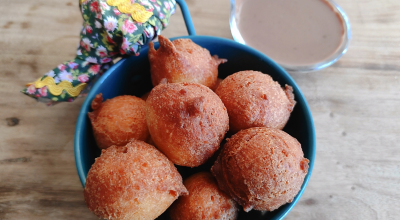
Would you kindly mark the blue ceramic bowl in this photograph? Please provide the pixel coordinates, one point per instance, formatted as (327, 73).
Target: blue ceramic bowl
(131, 76)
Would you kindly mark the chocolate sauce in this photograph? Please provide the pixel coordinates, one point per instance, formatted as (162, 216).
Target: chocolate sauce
(291, 32)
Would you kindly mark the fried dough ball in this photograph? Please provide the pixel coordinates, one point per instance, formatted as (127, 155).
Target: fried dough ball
(254, 99)
(144, 97)
(183, 61)
(187, 122)
(150, 141)
(135, 181)
(219, 80)
(119, 120)
(204, 202)
(261, 168)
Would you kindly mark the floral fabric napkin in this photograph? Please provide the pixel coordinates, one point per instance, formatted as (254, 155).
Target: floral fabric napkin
(111, 28)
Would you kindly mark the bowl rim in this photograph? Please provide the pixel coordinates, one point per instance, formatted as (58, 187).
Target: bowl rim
(227, 42)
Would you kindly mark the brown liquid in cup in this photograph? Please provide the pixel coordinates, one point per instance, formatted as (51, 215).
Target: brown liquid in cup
(291, 32)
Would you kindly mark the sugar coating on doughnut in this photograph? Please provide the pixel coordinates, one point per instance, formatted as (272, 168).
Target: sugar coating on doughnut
(119, 120)
(254, 99)
(204, 202)
(183, 61)
(261, 168)
(135, 181)
(187, 122)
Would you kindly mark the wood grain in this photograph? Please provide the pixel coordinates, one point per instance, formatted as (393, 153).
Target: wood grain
(355, 104)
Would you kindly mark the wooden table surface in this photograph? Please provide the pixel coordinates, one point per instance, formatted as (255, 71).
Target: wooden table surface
(355, 104)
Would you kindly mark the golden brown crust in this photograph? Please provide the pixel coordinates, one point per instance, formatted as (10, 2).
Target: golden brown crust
(261, 168)
(183, 61)
(254, 99)
(187, 122)
(135, 181)
(204, 202)
(118, 120)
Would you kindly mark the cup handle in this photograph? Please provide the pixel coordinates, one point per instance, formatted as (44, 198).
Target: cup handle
(186, 17)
